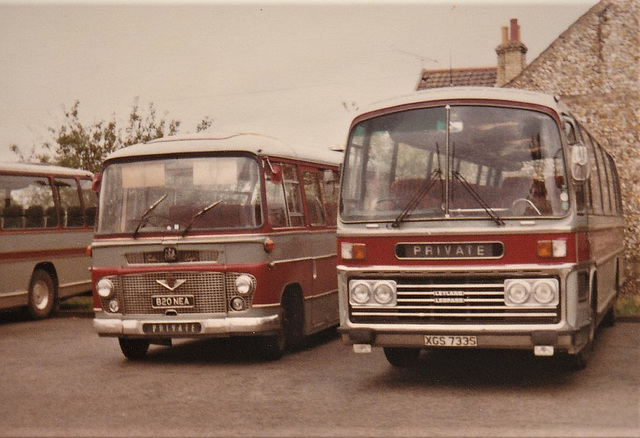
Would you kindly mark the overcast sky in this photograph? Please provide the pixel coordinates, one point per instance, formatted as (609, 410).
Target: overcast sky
(294, 70)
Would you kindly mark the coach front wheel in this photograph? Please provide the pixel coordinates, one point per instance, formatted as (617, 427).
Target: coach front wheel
(42, 295)
(401, 356)
(134, 349)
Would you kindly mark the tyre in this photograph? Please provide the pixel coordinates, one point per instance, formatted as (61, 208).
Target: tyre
(293, 320)
(609, 319)
(402, 357)
(42, 295)
(291, 333)
(579, 360)
(134, 349)
(272, 347)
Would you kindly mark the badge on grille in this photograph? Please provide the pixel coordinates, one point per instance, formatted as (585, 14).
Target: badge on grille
(170, 254)
(170, 283)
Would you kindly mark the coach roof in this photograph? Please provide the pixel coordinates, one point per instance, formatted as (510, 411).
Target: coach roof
(43, 169)
(467, 93)
(238, 142)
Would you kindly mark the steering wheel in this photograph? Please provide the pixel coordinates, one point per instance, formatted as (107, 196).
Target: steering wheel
(529, 203)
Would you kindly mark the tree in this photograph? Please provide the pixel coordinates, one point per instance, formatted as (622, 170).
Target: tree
(86, 146)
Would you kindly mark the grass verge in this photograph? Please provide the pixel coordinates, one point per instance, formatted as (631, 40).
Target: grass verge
(82, 302)
(628, 305)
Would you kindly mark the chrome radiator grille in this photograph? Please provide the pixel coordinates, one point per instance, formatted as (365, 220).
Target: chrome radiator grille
(209, 289)
(452, 301)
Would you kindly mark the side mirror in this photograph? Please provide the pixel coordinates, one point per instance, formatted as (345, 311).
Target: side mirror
(579, 162)
(95, 183)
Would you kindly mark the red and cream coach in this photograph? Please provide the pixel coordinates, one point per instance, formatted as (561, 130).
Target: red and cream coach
(46, 222)
(216, 236)
(477, 218)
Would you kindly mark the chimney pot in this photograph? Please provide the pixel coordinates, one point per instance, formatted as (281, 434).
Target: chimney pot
(515, 30)
(505, 34)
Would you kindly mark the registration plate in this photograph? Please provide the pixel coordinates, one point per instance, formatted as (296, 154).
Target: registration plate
(173, 328)
(172, 301)
(450, 341)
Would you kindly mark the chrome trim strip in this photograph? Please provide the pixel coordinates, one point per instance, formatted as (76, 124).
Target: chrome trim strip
(457, 315)
(301, 259)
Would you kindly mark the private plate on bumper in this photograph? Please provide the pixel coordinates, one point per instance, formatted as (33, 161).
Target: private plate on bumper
(172, 328)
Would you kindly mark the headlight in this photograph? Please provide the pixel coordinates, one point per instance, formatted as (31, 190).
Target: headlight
(244, 284)
(237, 303)
(531, 292)
(114, 306)
(105, 288)
(360, 293)
(372, 293)
(517, 291)
(385, 292)
(546, 291)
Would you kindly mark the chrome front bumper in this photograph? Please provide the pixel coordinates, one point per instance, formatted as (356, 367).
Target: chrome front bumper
(209, 326)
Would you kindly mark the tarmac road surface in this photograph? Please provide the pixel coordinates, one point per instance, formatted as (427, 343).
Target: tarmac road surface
(58, 378)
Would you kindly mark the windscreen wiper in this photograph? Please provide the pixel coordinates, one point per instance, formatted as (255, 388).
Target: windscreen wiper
(416, 198)
(145, 215)
(199, 214)
(478, 198)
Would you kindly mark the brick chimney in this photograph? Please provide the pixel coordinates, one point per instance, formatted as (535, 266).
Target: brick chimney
(511, 54)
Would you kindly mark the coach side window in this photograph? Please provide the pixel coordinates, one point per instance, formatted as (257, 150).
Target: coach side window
(605, 182)
(330, 191)
(27, 202)
(594, 178)
(284, 199)
(89, 201)
(315, 203)
(70, 206)
(615, 186)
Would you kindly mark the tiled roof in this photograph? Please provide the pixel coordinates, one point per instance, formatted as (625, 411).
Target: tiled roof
(458, 77)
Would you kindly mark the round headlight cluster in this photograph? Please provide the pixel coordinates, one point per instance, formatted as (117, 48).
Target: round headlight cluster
(237, 303)
(531, 292)
(518, 292)
(544, 292)
(105, 288)
(114, 306)
(372, 293)
(361, 293)
(383, 293)
(244, 284)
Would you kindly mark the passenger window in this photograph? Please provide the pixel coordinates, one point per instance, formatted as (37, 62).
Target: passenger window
(293, 195)
(276, 206)
(615, 184)
(71, 208)
(284, 198)
(90, 201)
(594, 183)
(25, 202)
(315, 204)
(330, 191)
(604, 180)
(606, 163)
